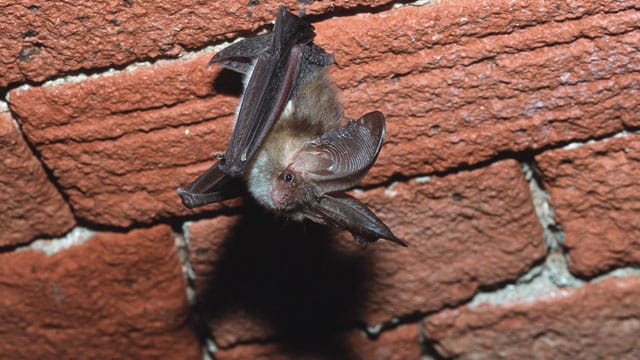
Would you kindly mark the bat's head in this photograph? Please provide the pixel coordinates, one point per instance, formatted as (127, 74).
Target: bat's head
(290, 191)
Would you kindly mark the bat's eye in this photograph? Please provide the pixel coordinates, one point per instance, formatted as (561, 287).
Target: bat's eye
(288, 177)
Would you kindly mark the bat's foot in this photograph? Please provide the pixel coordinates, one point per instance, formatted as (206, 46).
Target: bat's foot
(363, 241)
(218, 155)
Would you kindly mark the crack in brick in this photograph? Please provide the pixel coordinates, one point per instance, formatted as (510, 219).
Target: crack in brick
(545, 280)
(619, 273)
(553, 234)
(97, 73)
(623, 133)
(402, 4)
(429, 352)
(207, 344)
(76, 236)
(182, 248)
(540, 282)
(374, 331)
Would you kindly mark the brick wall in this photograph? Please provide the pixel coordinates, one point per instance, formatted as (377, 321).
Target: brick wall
(511, 167)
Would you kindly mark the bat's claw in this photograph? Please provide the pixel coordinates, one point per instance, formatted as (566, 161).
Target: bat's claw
(361, 240)
(187, 198)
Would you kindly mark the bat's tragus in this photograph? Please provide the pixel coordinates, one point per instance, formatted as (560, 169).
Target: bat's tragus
(288, 143)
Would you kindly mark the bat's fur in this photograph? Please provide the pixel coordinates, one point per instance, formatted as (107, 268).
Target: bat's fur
(313, 110)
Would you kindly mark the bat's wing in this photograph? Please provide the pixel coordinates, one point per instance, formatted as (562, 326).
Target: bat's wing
(273, 62)
(345, 212)
(269, 87)
(212, 186)
(239, 56)
(341, 158)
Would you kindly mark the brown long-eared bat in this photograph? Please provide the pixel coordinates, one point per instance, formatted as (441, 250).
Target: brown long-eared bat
(288, 143)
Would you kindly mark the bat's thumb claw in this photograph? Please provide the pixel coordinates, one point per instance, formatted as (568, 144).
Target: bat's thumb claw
(187, 198)
(364, 241)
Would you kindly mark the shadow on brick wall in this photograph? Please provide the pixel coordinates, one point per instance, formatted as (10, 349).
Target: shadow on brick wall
(228, 82)
(292, 282)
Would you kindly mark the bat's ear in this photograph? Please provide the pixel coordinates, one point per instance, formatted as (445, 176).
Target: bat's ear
(341, 158)
(240, 56)
(212, 186)
(347, 213)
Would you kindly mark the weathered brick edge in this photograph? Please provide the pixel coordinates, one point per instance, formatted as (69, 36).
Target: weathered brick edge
(30, 205)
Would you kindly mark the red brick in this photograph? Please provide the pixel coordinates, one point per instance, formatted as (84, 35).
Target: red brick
(597, 321)
(259, 279)
(460, 82)
(401, 343)
(150, 137)
(30, 205)
(46, 39)
(114, 296)
(595, 194)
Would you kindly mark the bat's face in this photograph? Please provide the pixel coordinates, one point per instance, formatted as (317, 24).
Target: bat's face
(272, 180)
(288, 188)
(290, 191)
(285, 190)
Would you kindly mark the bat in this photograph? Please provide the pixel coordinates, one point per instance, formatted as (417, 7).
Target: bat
(289, 145)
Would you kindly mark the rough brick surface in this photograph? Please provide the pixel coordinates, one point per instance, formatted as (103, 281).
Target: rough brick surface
(48, 38)
(30, 205)
(259, 279)
(463, 81)
(598, 321)
(398, 344)
(459, 84)
(115, 296)
(595, 191)
(119, 144)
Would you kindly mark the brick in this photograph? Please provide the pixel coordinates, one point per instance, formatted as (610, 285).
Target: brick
(461, 82)
(150, 138)
(457, 89)
(113, 296)
(594, 192)
(30, 205)
(47, 39)
(597, 321)
(259, 278)
(400, 343)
